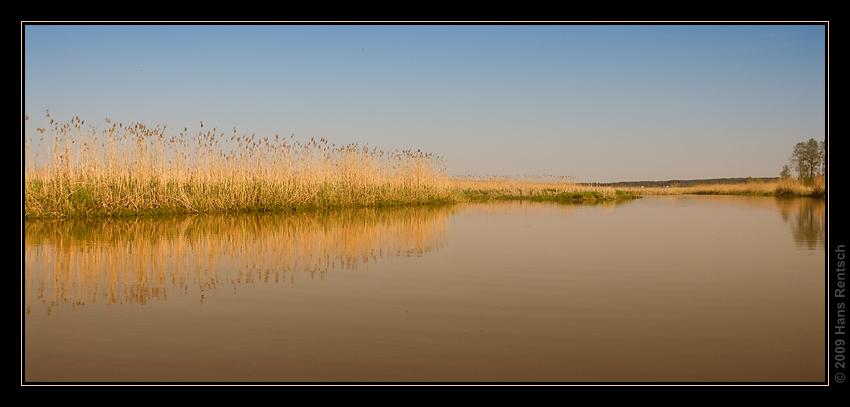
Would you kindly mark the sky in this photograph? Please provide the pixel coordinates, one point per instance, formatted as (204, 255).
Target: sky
(601, 103)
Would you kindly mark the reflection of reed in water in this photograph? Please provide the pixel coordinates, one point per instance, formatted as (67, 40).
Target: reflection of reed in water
(132, 261)
(512, 208)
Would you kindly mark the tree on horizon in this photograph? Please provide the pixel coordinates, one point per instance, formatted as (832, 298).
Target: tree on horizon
(808, 160)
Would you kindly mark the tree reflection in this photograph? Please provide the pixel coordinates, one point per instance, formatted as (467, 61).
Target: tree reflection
(807, 219)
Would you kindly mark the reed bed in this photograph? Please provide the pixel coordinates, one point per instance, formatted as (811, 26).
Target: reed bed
(782, 187)
(74, 170)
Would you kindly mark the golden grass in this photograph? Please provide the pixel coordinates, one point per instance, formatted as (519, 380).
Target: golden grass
(136, 169)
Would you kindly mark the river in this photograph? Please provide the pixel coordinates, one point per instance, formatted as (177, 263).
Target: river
(710, 289)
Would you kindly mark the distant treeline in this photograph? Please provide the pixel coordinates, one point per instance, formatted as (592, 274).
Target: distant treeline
(683, 182)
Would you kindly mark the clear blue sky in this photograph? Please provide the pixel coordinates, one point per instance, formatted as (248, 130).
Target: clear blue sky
(599, 102)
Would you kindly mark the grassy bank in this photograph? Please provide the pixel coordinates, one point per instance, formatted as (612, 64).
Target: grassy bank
(564, 190)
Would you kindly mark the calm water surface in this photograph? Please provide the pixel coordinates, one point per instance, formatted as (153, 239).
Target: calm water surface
(664, 288)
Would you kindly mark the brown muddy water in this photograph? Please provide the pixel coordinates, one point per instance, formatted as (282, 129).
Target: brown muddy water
(660, 289)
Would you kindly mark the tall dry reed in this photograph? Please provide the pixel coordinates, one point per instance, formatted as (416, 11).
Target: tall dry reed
(134, 168)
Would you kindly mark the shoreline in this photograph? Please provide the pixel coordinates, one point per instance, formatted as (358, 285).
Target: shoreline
(782, 188)
(137, 170)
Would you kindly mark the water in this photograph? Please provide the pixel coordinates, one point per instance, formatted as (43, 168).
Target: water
(660, 289)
